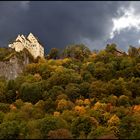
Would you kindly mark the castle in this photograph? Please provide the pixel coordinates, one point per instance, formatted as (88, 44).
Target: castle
(30, 43)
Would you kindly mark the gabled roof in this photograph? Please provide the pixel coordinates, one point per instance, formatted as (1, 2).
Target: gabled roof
(28, 40)
(30, 34)
(23, 37)
(17, 41)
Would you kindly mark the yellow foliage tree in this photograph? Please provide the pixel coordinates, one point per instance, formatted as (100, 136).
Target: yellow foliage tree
(59, 69)
(37, 77)
(136, 108)
(87, 102)
(114, 121)
(66, 60)
(19, 103)
(13, 107)
(99, 106)
(56, 113)
(79, 102)
(62, 104)
(80, 110)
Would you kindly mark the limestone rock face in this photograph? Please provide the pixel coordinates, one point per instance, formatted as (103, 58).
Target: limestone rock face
(12, 68)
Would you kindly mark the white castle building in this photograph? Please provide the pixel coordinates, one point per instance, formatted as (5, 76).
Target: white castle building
(30, 43)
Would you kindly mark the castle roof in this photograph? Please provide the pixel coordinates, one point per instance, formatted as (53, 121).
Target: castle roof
(29, 38)
(18, 41)
(22, 36)
(31, 35)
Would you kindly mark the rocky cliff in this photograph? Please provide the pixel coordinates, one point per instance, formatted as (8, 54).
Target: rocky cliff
(14, 65)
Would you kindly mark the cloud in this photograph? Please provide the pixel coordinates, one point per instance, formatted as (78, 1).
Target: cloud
(139, 41)
(126, 38)
(25, 4)
(12, 20)
(128, 20)
(126, 26)
(60, 23)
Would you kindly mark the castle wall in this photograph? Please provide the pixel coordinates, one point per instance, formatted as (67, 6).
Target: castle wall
(18, 46)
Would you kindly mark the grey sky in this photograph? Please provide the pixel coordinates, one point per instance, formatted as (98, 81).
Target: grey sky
(61, 23)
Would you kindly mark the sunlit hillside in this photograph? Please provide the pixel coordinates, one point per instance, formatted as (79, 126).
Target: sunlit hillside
(73, 94)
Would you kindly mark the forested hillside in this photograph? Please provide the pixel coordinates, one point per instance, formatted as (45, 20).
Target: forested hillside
(74, 94)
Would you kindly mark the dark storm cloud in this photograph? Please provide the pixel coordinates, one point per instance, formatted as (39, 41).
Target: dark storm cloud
(126, 38)
(12, 18)
(130, 33)
(58, 24)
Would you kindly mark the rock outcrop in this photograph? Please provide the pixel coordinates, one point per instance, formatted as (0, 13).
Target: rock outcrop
(11, 68)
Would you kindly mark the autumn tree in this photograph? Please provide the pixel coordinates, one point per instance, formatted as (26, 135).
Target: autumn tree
(12, 130)
(60, 134)
(111, 48)
(73, 91)
(133, 51)
(30, 92)
(53, 53)
(51, 123)
(132, 122)
(78, 51)
(82, 123)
